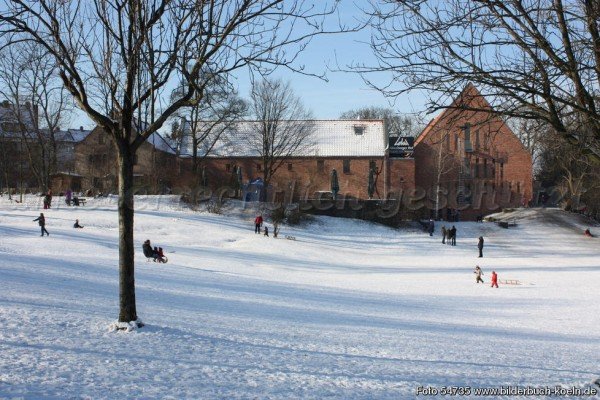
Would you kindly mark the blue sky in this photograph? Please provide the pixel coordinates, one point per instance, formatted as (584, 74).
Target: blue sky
(342, 91)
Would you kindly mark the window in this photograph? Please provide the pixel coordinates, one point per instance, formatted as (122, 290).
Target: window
(467, 132)
(518, 187)
(359, 129)
(468, 145)
(289, 166)
(477, 139)
(485, 171)
(501, 170)
(228, 167)
(448, 142)
(456, 138)
(372, 166)
(346, 166)
(321, 165)
(476, 168)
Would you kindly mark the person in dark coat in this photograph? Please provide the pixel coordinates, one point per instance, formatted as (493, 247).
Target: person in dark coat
(478, 273)
(431, 227)
(494, 279)
(266, 231)
(42, 223)
(48, 199)
(480, 246)
(453, 235)
(444, 233)
(147, 248)
(257, 223)
(76, 224)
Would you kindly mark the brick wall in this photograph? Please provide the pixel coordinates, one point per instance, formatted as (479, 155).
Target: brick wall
(498, 169)
(302, 177)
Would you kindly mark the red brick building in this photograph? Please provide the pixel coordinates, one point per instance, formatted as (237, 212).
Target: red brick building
(351, 147)
(469, 160)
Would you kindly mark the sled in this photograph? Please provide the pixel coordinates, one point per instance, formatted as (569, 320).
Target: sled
(164, 260)
(509, 282)
(290, 237)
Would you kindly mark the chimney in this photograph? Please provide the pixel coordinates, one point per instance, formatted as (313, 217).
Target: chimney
(81, 128)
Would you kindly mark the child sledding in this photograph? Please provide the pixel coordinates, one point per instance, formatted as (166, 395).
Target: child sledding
(155, 254)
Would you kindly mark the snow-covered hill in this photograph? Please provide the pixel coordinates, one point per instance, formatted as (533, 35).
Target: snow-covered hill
(347, 310)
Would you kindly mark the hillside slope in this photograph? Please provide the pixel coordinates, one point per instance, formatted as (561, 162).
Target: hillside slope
(347, 310)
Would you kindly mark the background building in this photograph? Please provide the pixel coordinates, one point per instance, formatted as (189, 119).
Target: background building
(352, 147)
(469, 161)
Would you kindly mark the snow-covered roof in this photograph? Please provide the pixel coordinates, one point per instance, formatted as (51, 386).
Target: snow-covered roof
(160, 143)
(72, 135)
(24, 114)
(328, 138)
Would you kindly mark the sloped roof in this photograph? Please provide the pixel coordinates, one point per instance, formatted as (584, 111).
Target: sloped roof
(329, 138)
(159, 143)
(27, 115)
(468, 96)
(72, 135)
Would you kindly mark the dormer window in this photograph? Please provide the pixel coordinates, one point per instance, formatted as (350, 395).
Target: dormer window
(359, 129)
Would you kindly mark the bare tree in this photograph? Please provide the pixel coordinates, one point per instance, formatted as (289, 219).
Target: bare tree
(396, 123)
(563, 166)
(119, 60)
(536, 59)
(284, 126)
(201, 125)
(29, 80)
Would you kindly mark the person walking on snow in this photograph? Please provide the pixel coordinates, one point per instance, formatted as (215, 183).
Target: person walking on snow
(266, 230)
(478, 272)
(42, 223)
(453, 235)
(494, 279)
(480, 246)
(257, 223)
(431, 227)
(444, 233)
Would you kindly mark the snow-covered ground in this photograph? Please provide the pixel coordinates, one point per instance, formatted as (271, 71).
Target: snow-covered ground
(347, 310)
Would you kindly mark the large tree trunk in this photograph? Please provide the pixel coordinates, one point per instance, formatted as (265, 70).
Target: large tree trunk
(127, 309)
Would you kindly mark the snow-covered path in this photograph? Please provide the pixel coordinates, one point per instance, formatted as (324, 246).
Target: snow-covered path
(348, 310)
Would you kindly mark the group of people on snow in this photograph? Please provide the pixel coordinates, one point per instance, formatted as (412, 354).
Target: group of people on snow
(449, 235)
(156, 253)
(479, 273)
(41, 220)
(258, 222)
(70, 199)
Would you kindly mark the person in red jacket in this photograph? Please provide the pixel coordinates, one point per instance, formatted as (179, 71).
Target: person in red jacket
(494, 279)
(257, 223)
